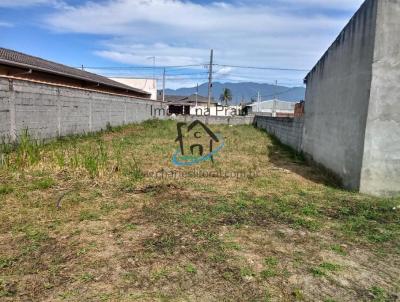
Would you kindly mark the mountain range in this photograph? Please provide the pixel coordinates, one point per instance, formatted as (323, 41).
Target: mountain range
(245, 91)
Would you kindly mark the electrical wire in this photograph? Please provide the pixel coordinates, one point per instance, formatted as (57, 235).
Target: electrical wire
(193, 65)
(140, 67)
(274, 94)
(262, 68)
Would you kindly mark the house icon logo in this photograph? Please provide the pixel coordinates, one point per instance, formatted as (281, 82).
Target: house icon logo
(197, 143)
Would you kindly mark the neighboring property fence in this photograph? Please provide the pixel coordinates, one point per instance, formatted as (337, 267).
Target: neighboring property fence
(288, 130)
(213, 120)
(49, 111)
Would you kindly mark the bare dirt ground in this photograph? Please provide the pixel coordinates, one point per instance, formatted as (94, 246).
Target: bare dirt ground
(89, 219)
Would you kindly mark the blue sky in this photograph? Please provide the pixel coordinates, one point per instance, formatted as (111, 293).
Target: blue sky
(276, 33)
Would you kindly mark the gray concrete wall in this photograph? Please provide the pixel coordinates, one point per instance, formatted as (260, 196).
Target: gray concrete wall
(214, 120)
(48, 111)
(288, 130)
(337, 98)
(381, 161)
(4, 110)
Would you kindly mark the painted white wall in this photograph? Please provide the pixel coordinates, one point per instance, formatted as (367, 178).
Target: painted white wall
(273, 107)
(148, 85)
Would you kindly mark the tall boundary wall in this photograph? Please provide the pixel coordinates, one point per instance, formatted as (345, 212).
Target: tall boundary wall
(380, 173)
(48, 111)
(352, 105)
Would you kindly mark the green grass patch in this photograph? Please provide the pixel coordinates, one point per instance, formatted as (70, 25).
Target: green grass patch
(379, 294)
(86, 277)
(6, 189)
(191, 269)
(324, 268)
(338, 249)
(43, 183)
(270, 268)
(88, 215)
(6, 262)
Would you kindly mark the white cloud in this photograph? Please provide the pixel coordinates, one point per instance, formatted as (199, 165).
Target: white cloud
(6, 24)
(181, 32)
(224, 71)
(330, 4)
(129, 53)
(21, 3)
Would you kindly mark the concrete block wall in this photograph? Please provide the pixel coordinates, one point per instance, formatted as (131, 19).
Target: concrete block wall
(49, 111)
(288, 130)
(4, 110)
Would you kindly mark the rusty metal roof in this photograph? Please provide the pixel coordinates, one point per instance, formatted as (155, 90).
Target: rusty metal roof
(18, 59)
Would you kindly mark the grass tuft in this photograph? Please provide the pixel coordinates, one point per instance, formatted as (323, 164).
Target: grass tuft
(6, 189)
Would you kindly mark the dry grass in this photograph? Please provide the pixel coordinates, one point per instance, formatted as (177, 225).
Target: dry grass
(82, 220)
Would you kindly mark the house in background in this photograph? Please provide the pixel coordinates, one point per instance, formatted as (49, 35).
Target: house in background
(274, 108)
(189, 105)
(17, 65)
(148, 85)
(49, 99)
(201, 107)
(178, 105)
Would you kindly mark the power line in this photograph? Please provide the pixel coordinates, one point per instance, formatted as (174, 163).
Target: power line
(244, 77)
(195, 73)
(179, 79)
(262, 68)
(143, 67)
(202, 76)
(231, 77)
(205, 65)
(275, 94)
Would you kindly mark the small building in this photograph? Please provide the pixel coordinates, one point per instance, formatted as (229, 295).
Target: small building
(188, 105)
(275, 108)
(148, 85)
(178, 105)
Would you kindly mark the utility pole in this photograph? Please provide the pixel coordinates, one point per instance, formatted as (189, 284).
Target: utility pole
(210, 71)
(197, 93)
(163, 88)
(258, 101)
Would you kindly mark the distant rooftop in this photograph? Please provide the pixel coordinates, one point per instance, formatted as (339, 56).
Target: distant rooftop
(185, 100)
(20, 60)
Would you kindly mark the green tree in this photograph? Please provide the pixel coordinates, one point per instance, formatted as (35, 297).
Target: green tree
(226, 96)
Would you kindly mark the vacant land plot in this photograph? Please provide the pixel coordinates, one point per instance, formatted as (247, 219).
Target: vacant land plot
(86, 219)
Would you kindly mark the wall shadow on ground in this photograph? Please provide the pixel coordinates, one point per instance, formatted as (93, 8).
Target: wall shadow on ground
(285, 157)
